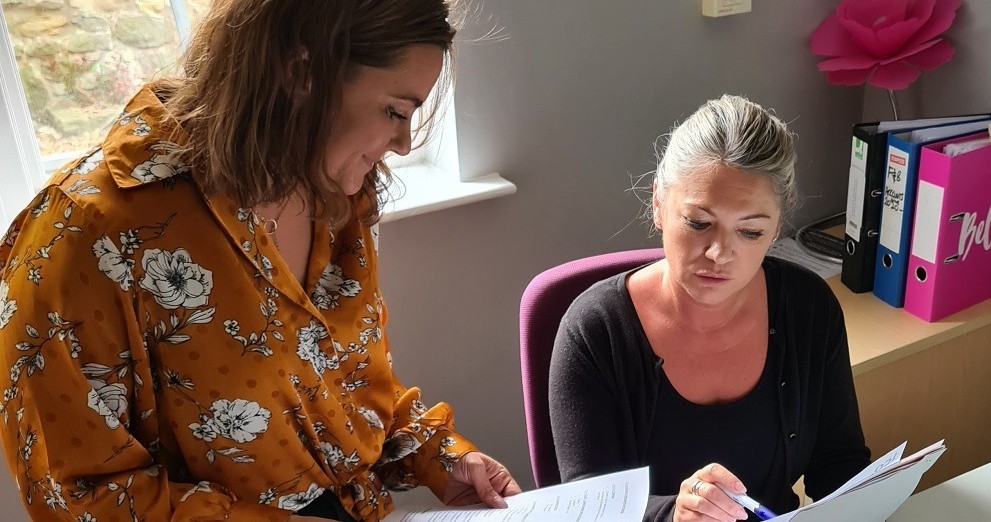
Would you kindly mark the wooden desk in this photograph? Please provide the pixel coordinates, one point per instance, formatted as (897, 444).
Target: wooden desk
(965, 498)
(920, 381)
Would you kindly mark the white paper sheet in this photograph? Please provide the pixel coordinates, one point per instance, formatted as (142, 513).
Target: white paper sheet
(874, 493)
(874, 469)
(616, 497)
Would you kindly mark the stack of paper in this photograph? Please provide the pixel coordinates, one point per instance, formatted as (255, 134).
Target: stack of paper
(871, 496)
(619, 497)
(874, 493)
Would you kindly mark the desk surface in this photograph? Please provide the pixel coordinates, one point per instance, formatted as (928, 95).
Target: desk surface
(880, 334)
(964, 498)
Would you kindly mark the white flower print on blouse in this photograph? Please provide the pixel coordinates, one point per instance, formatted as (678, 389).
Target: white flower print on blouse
(112, 263)
(7, 306)
(332, 284)
(308, 348)
(446, 458)
(89, 163)
(266, 496)
(109, 400)
(42, 206)
(231, 327)
(53, 494)
(129, 241)
(298, 501)
(238, 420)
(335, 456)
(161, 166)
(200, 487)
(371, 417)
(174, 280)
(141, 128)
(81, 187)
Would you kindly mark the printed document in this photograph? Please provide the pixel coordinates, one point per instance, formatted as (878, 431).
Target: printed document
(616, 497)
(875, 493)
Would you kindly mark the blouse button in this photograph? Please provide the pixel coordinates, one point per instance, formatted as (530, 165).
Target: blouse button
(784, 383)
(792, 436)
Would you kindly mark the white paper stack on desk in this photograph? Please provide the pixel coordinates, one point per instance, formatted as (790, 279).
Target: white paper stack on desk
(874, 493)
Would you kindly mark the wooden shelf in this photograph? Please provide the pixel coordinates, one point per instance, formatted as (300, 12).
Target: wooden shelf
(880, 334)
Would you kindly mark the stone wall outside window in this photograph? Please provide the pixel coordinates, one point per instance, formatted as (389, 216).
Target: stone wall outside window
(81, 60)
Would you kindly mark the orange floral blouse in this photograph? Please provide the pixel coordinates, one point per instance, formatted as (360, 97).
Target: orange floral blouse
(162, 362)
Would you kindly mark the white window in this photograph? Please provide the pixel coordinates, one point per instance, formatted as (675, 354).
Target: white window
(68, 68)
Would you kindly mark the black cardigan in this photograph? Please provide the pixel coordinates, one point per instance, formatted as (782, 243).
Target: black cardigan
(603, 385)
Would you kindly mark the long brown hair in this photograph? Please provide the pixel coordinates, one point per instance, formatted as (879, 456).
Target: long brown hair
(262, 79)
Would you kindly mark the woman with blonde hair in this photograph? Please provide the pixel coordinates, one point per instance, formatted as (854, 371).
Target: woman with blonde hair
(719, 367)
(192, 326)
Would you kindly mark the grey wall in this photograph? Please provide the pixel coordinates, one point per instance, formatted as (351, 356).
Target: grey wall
(568, 107)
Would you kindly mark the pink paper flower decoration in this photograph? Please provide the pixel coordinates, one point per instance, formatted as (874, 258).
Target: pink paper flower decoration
(883, 42)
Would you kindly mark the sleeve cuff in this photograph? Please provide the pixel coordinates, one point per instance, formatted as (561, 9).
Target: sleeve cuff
(435, 459)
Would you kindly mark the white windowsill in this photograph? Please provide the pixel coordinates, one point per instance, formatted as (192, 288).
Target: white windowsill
(427, 190)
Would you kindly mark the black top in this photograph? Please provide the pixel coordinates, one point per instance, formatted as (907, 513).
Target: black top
(612, 407)
(744, 435)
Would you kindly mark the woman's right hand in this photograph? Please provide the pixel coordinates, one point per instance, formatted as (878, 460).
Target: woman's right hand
(700, 500)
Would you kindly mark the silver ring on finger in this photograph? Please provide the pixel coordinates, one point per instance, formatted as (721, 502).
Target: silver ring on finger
(695, 487)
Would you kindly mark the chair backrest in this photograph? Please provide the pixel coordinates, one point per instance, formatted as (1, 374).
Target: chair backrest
(544, 302)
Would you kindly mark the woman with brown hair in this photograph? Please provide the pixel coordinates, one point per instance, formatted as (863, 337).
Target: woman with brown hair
(190, 316)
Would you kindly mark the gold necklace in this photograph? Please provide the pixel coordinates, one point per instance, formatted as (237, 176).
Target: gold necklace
(272, 225)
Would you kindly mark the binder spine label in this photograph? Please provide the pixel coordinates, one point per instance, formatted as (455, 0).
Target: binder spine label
(925, 236)
(894, 199)
(855, 189)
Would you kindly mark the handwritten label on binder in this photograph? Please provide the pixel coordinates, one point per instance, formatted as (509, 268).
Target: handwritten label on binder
(894, 199)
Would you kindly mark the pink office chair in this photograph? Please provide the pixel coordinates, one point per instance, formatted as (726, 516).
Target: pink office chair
(544, 302)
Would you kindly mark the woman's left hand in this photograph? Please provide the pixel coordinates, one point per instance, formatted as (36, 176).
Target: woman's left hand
(476, 478)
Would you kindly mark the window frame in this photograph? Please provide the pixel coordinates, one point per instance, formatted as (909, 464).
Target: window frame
(19, 179)
(429, 178)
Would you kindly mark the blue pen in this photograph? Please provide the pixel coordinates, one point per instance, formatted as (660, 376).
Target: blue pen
(749, 503)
